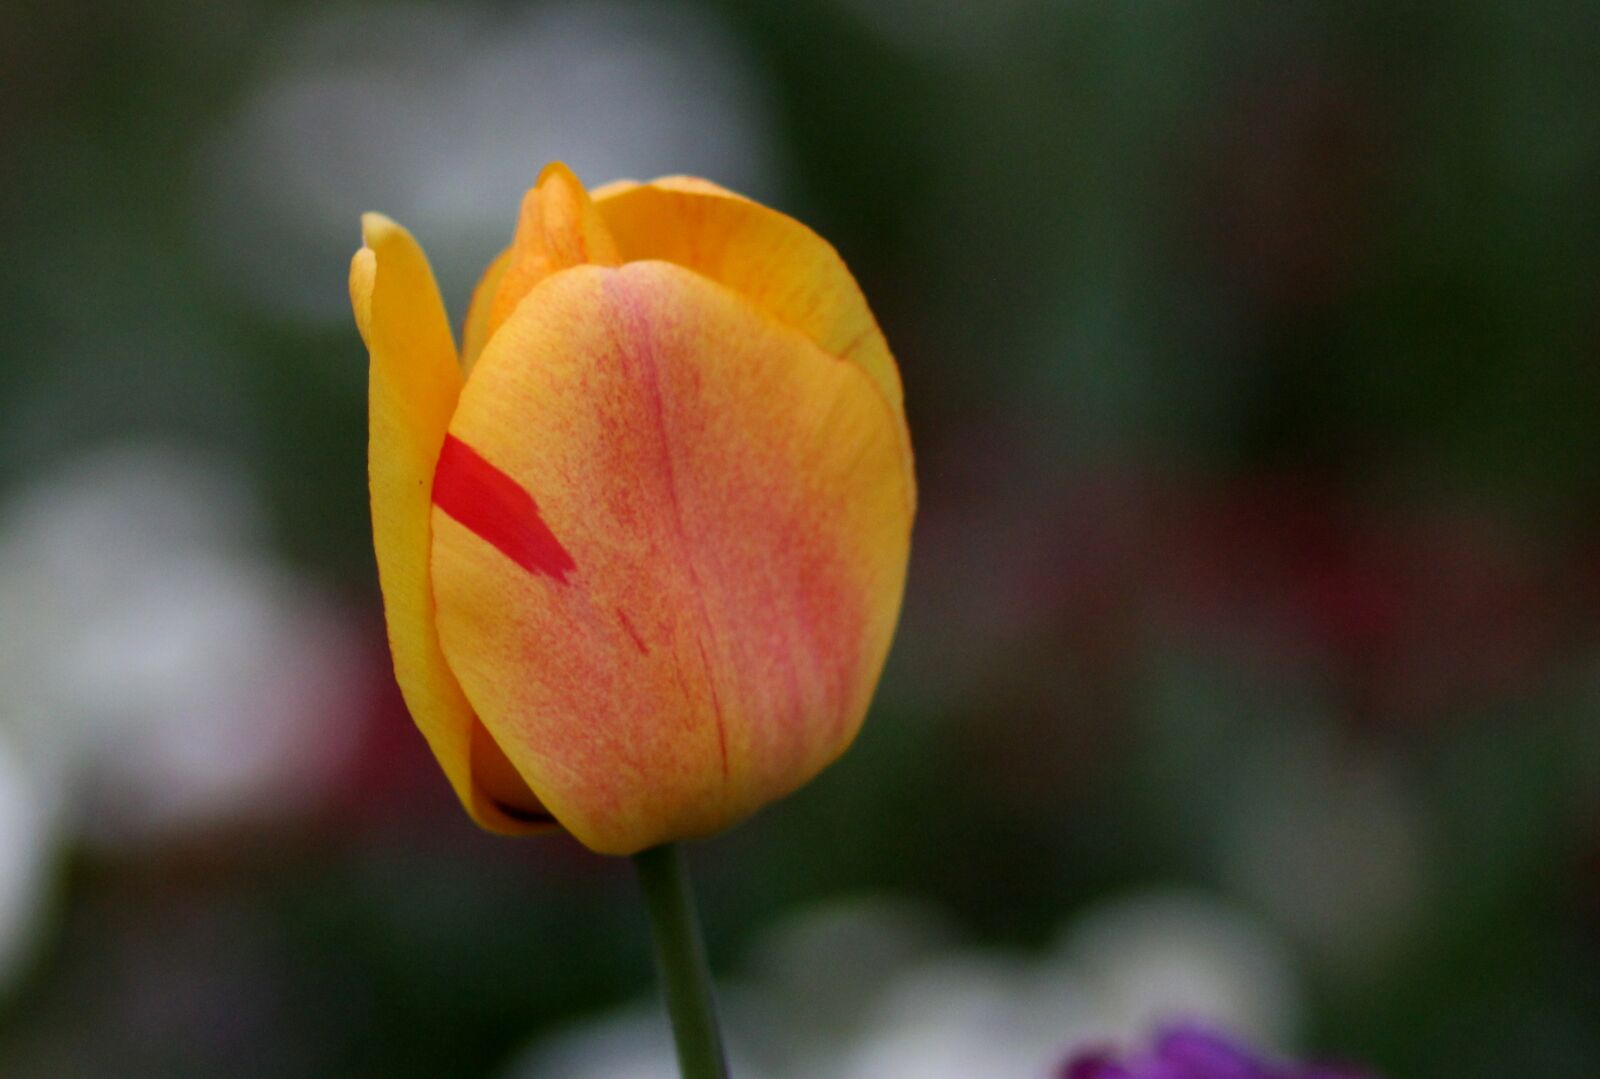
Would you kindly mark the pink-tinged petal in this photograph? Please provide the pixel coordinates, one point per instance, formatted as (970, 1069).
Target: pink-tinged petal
(669, 552)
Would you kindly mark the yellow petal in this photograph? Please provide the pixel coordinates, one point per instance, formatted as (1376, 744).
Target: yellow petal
(670, 539)
(475, 331)
(413, 386)
(558, 227)
(770, 259)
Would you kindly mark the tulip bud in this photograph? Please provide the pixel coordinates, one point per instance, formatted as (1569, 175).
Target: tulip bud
(642, 542)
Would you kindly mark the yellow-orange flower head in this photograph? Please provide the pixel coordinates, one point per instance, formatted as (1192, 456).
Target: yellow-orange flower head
(642, 540)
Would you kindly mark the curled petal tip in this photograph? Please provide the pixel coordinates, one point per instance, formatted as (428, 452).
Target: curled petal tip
(558, 170)
(558, 228)
(375, 226)
(363, 277)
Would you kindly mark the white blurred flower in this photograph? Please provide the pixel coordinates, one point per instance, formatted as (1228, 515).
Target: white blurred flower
(442, 116)
(969, 1015)
(841, 957)
(635, 1043)
(1175, 956)
(159, 671)
(630, 1045)
(26, 851)
(1335, 847)
(917, 1007)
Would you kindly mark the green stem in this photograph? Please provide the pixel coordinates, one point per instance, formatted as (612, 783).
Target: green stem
(681, 961)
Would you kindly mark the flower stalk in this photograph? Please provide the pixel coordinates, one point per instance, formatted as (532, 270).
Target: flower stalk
(681, 961)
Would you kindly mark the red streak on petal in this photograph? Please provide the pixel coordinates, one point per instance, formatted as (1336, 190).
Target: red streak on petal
(495, 508)
(716, 706)
(633, 634)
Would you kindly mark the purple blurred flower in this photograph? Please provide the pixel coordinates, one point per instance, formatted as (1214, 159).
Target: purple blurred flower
(1194, 1053)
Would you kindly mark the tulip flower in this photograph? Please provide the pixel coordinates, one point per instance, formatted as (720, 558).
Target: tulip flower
(642, 538)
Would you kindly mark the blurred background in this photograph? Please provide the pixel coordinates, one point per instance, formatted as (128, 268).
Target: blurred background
(1250, 667)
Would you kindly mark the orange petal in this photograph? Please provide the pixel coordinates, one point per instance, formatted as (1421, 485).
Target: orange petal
(559, 227)
(767, 257)
(670, 538)
(475, 333)
(413, 387)
(692, 184)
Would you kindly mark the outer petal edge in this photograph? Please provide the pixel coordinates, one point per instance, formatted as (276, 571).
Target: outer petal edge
(414, 382)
